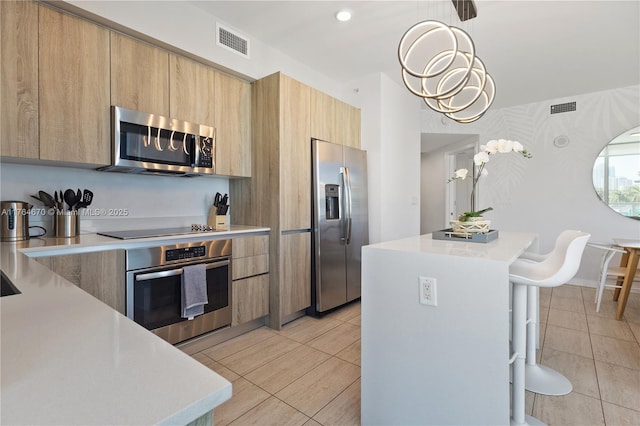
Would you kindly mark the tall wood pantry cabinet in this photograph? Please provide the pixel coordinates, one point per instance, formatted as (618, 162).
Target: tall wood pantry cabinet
(279, 193)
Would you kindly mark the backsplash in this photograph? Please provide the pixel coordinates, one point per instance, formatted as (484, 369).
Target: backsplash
(121, 201)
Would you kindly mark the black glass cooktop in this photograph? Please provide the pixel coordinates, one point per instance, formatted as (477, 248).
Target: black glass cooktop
(148, 233)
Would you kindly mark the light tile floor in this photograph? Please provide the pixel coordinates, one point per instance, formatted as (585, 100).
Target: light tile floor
(309, 372)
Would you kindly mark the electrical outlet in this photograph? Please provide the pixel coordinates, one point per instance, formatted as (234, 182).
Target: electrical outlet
(428, 292)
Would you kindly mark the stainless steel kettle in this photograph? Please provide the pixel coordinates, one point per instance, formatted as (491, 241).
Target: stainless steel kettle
(14, 220)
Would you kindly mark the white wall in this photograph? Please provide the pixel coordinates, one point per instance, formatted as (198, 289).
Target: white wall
(370, 94)
(121, 201)
(391, 137)
(552, 191)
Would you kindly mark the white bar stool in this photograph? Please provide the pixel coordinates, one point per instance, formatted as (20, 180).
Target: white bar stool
(539, 378)
(553, 271)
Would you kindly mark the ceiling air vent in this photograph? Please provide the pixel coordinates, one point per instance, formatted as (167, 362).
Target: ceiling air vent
(232, 40)
(558, 108)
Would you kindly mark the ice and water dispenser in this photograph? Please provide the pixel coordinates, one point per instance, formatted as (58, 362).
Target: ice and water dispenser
(332, 195)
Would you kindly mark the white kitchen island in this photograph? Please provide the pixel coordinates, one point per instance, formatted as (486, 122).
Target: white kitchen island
(444, 364)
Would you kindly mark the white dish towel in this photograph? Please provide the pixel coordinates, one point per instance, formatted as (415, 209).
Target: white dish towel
(194, 290)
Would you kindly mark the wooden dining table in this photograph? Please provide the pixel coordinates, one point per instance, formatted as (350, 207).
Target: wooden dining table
(629, 261)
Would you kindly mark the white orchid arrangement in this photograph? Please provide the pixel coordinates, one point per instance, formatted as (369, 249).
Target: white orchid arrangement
(500, 146)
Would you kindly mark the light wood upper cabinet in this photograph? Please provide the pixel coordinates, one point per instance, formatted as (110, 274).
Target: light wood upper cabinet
(323, 116)
(233, 126)
(295, 155)
(19, 79)
(139, 75)
(347, 124)
(101, 274)
(192, 91)
(334, 121)
(61, 74)
(73, 89)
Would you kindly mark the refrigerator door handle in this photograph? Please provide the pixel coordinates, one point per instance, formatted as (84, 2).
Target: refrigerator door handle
(343, 204)
(347, 186)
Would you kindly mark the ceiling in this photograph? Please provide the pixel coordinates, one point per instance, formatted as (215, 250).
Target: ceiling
(535, 50)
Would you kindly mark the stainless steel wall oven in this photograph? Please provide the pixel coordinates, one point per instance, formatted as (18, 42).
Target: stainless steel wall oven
(154, 280)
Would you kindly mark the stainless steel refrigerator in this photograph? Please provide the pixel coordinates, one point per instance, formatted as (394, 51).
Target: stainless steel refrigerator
(340, 223)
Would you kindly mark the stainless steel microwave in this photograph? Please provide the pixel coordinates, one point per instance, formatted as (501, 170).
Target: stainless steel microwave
(153, 144)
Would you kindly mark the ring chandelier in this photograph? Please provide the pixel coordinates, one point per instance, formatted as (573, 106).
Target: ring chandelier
(439, 64)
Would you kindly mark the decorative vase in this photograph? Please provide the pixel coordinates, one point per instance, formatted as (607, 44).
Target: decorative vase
(473, 225)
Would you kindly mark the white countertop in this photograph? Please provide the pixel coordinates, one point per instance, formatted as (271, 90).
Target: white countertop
(85, 243)
(505, 248)
(67, 358)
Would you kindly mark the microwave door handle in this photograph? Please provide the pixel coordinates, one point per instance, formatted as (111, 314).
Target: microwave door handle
(194, 158)
(174, 272)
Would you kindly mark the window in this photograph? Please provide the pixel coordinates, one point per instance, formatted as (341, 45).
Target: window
(616, 174)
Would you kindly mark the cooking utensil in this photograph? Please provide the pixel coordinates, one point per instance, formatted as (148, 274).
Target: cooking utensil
(61, 200)
(78, 199)
(217, 199)
(47, 199)
(70, 198)
(87, 197)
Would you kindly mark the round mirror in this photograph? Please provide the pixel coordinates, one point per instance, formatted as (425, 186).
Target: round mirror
(616, 174)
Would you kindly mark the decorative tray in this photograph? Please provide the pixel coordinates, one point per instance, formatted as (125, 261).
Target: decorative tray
(449, 235)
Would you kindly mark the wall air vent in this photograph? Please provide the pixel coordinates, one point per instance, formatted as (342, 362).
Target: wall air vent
(232, 40)
(558, 108)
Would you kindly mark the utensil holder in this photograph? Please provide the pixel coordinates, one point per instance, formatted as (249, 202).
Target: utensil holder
(67, 224)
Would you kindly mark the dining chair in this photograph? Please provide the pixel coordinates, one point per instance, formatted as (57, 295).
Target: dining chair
(555, 269)
(613, 274)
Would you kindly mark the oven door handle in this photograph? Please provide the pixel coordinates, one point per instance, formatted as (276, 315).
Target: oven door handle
(172, 272)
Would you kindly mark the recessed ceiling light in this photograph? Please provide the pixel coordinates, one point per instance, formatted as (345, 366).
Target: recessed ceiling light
(343, 15)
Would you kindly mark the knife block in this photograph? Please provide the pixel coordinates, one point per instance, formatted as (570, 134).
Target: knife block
(217, 221)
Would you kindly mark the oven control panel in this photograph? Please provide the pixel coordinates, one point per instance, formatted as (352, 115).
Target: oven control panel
(191, 252)
(185, 253)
